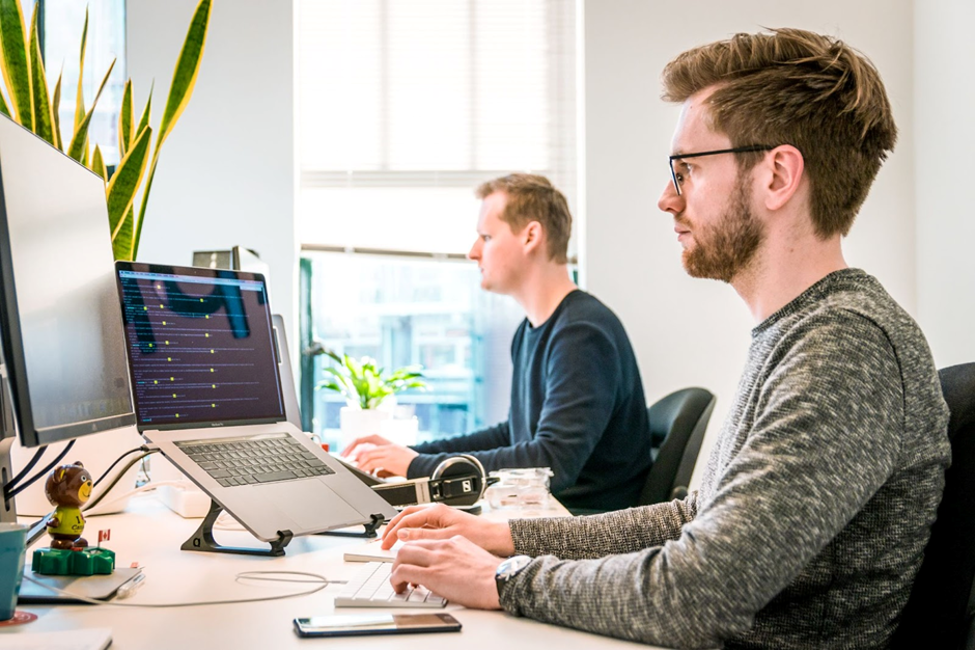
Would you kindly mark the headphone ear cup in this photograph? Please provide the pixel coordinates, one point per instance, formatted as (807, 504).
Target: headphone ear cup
(460, 480)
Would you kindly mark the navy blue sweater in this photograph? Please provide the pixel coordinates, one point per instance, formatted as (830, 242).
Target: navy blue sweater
(576, 406)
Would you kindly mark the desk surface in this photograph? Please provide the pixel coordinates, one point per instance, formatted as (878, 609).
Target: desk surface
(150, 534)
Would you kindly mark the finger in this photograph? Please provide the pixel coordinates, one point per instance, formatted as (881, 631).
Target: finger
(403, 574)
(417, 553)
(360, 451)
(389, 536)
(359, 441)
(418, 535)
(368, 465)
(411, 517)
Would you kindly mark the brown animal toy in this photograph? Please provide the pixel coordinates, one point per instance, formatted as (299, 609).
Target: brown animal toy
(67, 488)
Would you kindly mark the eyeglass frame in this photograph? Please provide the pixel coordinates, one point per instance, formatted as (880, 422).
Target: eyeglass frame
(751, 148)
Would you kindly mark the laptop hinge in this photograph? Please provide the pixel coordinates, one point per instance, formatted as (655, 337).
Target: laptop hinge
(203, 538)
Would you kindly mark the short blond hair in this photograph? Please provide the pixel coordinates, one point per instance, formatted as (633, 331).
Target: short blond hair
(534, 198)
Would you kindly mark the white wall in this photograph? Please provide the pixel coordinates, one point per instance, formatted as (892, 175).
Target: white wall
(696, 332)
(226, 175)
(944, 174)
(226, 172)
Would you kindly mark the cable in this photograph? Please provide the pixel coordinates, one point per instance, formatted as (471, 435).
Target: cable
(20, 488)
(12, 483)
(118, 477)
(116, 462)
(320, 582)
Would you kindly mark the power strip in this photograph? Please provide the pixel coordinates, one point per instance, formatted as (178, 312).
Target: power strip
(187, 501)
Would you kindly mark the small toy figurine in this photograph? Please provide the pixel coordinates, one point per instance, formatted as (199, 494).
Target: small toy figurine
(68, 487)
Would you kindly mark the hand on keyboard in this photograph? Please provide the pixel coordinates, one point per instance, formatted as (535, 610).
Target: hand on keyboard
(371, 587)
(455, 568)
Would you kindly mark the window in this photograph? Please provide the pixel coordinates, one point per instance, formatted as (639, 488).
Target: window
(404, 108)
(412, 311)
(62, 37)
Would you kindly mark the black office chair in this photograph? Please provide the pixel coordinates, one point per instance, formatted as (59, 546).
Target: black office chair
(942, 603)
(678, 422)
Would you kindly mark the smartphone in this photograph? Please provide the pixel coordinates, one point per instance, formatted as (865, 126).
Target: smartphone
(369, 624)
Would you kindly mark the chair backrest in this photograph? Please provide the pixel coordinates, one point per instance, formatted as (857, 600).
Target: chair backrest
(679, 420)
(942, 602)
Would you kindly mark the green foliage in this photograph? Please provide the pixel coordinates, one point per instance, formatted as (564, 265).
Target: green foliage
(32, 107)
(365, 383)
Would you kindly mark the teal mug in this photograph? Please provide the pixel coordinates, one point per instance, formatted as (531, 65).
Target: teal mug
(13, 538)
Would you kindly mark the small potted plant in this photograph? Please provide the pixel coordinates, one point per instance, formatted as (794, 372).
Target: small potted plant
(370, 392)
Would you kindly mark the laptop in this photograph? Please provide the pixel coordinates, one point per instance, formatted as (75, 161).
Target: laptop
(207, 392)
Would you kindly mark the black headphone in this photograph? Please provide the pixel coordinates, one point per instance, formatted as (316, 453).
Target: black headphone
(457, 481)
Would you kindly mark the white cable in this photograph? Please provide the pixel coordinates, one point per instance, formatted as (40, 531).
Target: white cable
(320, 581)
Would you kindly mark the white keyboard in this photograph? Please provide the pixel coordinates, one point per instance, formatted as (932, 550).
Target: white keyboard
(371, 587)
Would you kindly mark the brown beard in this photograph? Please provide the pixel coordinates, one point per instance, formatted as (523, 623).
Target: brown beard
(725, 249)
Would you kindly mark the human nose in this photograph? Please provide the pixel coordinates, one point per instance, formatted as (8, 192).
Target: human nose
(669, 200)
(474, 252)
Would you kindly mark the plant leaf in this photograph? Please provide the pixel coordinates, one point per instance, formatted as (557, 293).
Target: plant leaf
(144, 120)
(15, 63)
(78, 149)
(43, 120)
(55, 107)
(79, 95)
(185, 72)
(122, 191)
(126, 119)
(98, 165)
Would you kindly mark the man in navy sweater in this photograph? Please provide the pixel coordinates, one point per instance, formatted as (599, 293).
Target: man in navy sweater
(577, 403)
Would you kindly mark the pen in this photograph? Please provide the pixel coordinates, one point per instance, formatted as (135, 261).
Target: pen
(130, 587)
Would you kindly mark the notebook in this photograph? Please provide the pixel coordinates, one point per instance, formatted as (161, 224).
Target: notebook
(207, 392)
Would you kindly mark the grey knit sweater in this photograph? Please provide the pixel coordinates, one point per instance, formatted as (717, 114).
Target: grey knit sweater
(813, 512)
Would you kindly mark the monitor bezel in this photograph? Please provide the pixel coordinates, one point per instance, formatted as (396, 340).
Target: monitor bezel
(11, 338)
(197, 271)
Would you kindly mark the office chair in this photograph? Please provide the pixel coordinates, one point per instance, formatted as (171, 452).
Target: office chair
(942, 602)
(679, 420)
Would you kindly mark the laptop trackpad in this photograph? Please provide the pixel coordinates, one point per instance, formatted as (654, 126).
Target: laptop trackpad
(311, 504)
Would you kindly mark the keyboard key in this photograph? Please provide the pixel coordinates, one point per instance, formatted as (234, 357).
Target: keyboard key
(371, 587)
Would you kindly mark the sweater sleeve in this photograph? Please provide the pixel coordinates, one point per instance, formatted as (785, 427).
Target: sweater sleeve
(826, 435)
(434, 452)
(582, 375)
(622, 531)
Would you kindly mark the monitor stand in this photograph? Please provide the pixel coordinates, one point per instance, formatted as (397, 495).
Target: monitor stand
(203, 539)
(8, 513)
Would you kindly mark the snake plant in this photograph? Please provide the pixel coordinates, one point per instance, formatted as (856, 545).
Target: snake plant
(31, 105)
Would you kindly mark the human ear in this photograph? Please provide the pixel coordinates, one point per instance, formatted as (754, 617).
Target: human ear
(533, 235)
(784, 167)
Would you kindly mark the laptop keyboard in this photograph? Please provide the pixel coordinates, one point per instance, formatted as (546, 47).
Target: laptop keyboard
(265, 458)
(371, 587)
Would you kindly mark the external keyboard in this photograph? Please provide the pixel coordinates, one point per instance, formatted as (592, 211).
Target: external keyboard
(371, 587)
(264, 458)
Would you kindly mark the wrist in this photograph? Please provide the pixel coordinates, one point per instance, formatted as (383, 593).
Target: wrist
(507, 570)
(500, 540)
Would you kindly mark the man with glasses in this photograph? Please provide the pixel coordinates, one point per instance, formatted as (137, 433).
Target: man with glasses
(817, 501)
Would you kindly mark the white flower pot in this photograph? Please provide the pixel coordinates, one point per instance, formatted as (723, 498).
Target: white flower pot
(356, 423)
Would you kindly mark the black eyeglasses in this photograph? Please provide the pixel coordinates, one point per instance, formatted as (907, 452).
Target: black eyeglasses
(746, 149)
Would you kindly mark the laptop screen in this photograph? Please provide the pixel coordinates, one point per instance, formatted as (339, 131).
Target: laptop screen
(200, 346)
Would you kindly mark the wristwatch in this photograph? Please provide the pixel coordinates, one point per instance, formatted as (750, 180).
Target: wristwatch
(509, 568)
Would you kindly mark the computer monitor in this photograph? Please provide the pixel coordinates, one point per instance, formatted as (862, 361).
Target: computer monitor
(63, 343)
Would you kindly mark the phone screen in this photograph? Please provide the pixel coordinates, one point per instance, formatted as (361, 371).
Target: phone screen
(367, 624)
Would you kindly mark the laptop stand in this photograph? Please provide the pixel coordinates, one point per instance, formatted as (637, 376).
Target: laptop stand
(203, 539)
(370, 529)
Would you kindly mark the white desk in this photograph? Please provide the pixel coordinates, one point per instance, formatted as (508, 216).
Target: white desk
(150, 534)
